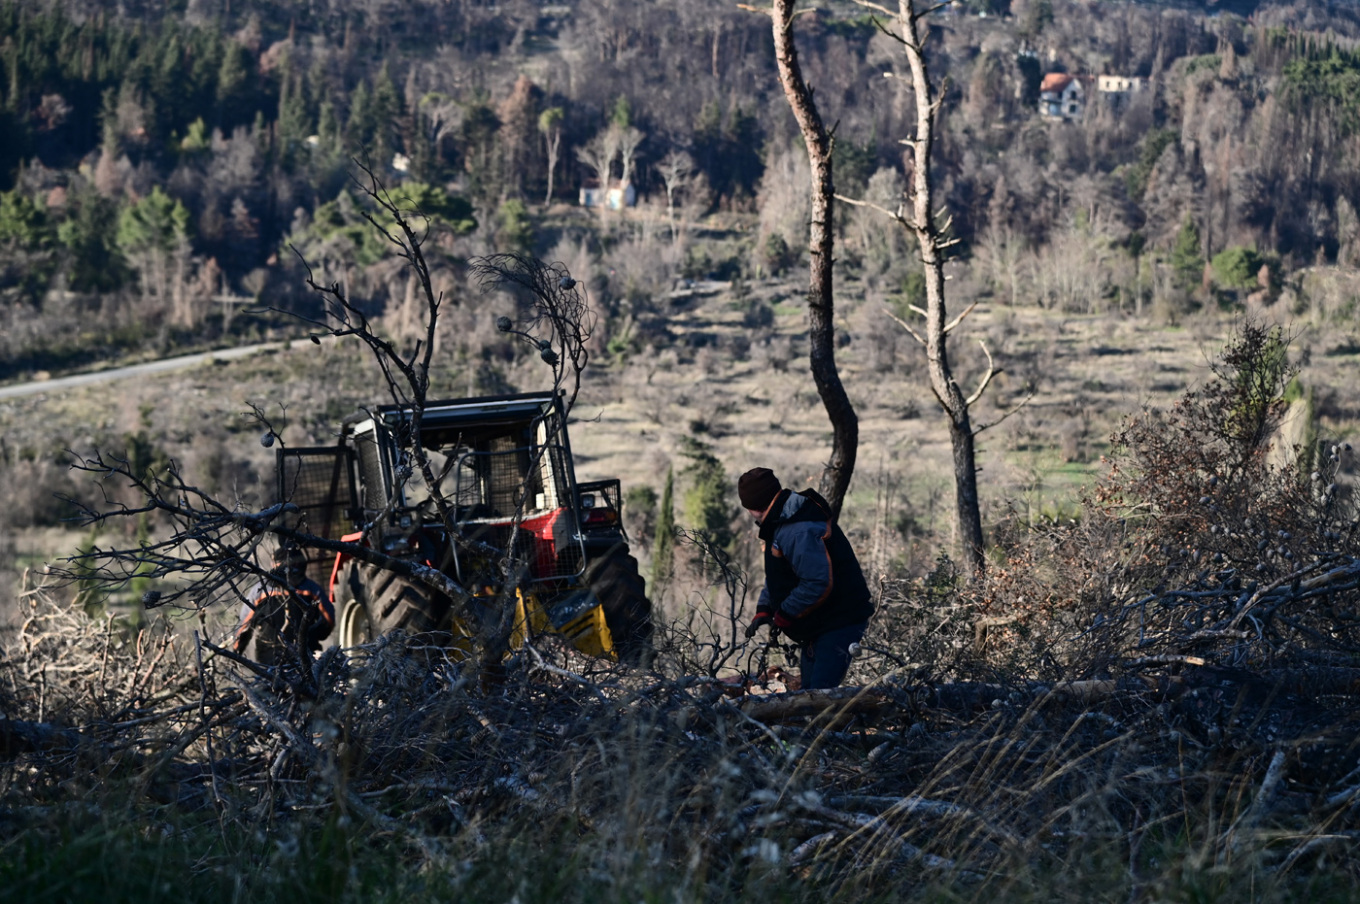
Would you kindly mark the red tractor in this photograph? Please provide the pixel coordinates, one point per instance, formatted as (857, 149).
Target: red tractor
(505, 518)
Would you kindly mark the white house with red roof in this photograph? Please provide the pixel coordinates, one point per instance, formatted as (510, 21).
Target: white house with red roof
(1061, 96)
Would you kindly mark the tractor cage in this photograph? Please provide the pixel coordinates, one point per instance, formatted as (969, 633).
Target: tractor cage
(503, 465)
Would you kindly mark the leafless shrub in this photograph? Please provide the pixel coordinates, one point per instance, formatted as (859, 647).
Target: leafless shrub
(1195, 548)
(782, 199)
(558, 320)
(773, 354)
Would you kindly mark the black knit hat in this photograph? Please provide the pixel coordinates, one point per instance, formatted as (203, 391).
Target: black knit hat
(757, 489)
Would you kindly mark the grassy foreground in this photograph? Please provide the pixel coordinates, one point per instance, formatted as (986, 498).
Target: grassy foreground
(125, 849)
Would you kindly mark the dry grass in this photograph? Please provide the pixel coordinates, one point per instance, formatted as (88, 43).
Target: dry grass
(1013, 739)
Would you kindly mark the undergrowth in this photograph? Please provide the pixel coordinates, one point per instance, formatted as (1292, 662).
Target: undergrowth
(1147, 703)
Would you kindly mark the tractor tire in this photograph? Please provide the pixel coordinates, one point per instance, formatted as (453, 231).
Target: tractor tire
(614, 579)
(353, 627)
(372, 601)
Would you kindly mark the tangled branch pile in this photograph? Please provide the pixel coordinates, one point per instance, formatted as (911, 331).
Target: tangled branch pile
(556, 778)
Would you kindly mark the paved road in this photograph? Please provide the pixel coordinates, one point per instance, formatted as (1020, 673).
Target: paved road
(133, 370)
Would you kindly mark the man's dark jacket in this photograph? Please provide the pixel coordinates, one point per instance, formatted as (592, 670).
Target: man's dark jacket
(813, 582)
(280, 613)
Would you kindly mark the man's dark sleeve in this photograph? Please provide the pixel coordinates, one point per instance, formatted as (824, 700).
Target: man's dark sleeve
(763, 606)
(804, 547)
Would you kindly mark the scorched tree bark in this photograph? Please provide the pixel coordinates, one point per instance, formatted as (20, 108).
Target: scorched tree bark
(819, 140)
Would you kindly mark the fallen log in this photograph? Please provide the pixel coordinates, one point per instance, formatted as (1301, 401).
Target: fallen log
(833, 703)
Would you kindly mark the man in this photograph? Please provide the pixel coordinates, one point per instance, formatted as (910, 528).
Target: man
(286, 607)
(814, 589)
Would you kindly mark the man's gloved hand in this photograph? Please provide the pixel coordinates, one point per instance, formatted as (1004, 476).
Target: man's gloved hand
(763, 618)
(782, 621)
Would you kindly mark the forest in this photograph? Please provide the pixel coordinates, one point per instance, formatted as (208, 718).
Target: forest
(160, 164)
(1144, 689)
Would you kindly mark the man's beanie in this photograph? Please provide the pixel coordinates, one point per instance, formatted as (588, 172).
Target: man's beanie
(757, 489)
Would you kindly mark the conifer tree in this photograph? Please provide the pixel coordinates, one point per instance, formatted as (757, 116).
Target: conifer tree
(1186, 257)
(663, 550)
(96, 265)
(294, 123)
(234, 88)
(360, 124)
(387, 110)
(708, 506)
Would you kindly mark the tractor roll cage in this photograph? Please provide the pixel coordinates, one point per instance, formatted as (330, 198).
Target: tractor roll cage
(503, 463)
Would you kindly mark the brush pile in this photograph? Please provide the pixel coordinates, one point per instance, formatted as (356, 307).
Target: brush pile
(907, 778)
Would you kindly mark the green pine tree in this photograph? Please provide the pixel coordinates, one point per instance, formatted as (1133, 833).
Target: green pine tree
(440, 207)
(1237, 267)
(196, 141)
(157, 222)
(622, 113)
(235, 87)
(359, 126)
(26, 240)
(663, 550)
(479, 140)
(169, 87)
(328, 125)
(515, 229)
(708, 506)
(23, 222)
(388, 108)
(1186, 258)
(95, 262)
(294, 124)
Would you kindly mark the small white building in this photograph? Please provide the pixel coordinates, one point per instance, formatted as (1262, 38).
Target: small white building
(616, 197)
(1061, 96)
(1121, 84)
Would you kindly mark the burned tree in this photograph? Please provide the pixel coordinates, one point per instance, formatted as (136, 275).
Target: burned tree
(919, 217)
(821, 247)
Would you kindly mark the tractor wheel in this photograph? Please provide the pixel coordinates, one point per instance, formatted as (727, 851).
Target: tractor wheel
(372, 601)
(353, 627)
(614, 579)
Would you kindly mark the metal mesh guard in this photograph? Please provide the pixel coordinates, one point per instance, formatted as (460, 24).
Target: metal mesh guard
(317, 482)
(489, 489)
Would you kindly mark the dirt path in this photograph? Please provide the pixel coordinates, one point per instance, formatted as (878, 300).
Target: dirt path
(134, 370)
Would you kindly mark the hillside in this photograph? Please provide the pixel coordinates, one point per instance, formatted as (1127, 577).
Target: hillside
(730, 374)
(163, 162)
(1027, 735)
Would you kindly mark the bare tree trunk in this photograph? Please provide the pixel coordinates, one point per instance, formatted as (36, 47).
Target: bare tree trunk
(629, 139)
(554, 146)
(920, 219)
(929, 236)
(821, 246)
(677, 169)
